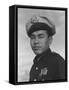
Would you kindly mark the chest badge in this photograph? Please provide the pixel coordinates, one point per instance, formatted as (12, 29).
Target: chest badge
(43, 71)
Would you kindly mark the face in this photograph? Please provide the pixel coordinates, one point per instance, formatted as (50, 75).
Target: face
(40, 41)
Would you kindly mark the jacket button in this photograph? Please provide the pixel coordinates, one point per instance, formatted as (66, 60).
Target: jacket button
(42, 79)
(34, 79)
(36, 68)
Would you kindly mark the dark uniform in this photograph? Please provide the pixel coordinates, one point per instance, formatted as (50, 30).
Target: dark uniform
(48, 66)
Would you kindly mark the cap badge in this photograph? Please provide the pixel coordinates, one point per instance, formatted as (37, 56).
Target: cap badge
(34, 19)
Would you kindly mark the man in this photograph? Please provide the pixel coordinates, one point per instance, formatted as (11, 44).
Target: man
(47, 65)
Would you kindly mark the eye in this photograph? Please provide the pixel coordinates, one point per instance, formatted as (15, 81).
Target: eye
(41, 36)
(32, 37)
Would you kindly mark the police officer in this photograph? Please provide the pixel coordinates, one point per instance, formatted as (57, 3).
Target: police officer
(47, 65)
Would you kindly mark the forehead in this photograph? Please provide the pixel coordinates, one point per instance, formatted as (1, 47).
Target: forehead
(39, 32)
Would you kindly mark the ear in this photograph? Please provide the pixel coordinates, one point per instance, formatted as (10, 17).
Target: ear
(50, 40)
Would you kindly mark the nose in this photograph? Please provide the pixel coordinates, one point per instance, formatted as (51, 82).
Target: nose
(36, 41)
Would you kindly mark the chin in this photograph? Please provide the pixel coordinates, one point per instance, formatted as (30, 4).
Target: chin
(37, 52)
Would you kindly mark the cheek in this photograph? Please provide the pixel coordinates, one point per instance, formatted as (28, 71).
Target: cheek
(31, 43)
(44, 43)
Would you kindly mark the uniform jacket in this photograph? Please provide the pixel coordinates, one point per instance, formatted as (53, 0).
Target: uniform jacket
(48, 66)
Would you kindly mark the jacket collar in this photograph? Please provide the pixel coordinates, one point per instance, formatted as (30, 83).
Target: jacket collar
(46, 54)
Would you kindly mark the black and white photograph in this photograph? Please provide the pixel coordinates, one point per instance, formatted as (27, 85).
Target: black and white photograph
(41, 45)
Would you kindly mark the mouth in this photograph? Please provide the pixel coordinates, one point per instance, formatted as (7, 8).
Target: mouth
(36, 48)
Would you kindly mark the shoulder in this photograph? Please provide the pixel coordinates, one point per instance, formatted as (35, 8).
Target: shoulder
(60, 65)
(57, 57)
(52, 57)
(58, 61)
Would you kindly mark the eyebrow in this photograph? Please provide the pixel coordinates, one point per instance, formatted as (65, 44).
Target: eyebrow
(37, 34)
(40, 34)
